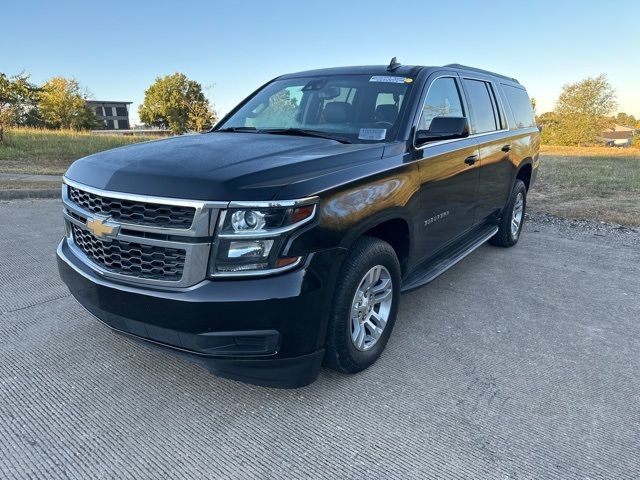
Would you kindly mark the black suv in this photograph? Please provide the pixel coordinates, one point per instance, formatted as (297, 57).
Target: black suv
(282, 239)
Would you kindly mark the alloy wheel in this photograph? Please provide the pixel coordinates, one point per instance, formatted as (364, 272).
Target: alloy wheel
(516, 215)
(371, 307)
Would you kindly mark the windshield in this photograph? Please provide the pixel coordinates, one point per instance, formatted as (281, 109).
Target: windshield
(359, 108)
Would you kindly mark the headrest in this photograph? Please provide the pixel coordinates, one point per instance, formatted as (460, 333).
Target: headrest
(386, 113)
(336, 112)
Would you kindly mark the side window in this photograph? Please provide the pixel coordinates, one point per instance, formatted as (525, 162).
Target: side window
(443, 100)
(481, 106)
(520, 106)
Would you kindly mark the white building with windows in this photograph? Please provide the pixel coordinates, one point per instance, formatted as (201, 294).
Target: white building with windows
(111, 115)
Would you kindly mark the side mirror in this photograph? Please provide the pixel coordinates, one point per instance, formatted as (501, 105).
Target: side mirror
(444, 128)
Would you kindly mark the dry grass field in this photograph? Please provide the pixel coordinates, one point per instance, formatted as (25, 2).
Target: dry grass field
(593, 183)
(50, 152)
(21, 185)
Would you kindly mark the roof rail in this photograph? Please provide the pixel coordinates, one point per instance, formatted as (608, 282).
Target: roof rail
(479, 70)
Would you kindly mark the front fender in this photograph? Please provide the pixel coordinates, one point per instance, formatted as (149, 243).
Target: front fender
(348, 211)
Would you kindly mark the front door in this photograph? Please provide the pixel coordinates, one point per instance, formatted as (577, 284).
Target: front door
(448, 171)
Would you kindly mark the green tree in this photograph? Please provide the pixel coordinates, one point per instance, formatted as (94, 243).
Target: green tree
(548, 119)
(176, 103)
(17, 98)
(62, 104)
(582, 112)
(626, 120)
(201, 115)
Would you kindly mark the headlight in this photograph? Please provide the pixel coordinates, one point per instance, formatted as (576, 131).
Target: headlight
(247, 220)
(250, 239)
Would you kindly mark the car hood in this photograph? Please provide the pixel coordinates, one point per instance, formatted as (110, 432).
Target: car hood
(218, 166)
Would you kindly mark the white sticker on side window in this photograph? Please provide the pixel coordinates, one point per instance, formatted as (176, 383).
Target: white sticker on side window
(372, 134)
(385, 78)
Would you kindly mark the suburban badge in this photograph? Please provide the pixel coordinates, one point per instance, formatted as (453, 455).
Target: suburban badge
(435, 218)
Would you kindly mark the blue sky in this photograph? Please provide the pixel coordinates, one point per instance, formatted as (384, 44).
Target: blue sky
(116, 48)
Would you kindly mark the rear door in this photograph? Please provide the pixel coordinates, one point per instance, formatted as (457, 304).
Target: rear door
(448, 174)
(490, 130)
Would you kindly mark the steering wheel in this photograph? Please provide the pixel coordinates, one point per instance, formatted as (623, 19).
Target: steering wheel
(383, 124)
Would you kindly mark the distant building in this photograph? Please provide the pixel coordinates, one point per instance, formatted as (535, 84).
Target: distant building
(111, 115)
(618, 136)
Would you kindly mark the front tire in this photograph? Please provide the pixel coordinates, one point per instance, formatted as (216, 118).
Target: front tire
(510, 226)
(365, 306)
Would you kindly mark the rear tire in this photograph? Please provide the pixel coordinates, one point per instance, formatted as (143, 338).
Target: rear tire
(510, 225)
(365, 306)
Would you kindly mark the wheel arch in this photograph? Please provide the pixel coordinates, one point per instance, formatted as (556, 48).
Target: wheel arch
(392, 228)
(525, 172)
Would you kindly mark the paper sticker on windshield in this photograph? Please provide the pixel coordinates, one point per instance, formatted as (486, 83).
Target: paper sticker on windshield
(385, 78)
(372, 134)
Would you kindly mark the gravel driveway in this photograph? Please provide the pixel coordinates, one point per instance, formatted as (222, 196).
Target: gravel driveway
(520, 363)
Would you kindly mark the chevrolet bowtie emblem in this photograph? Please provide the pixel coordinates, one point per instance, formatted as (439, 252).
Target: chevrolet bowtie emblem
(99, 228)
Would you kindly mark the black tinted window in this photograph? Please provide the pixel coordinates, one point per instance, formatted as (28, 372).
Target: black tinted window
(443, 100)
(483, 118)
(520, 106)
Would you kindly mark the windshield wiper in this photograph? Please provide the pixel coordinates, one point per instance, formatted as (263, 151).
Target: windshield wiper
(237, 129)
(305, 133)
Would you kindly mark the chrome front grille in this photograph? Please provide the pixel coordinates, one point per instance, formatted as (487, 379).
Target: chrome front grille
(134, 212)
(140, 239)
(129, 258)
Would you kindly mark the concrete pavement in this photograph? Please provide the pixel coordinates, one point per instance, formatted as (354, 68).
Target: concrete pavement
(517, 363)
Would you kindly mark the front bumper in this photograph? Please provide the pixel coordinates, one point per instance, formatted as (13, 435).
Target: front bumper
(266, 331)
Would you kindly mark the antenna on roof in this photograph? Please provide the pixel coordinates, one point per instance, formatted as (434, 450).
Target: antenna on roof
(393, 64)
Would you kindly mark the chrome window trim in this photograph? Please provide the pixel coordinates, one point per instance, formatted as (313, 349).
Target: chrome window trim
(442, 142)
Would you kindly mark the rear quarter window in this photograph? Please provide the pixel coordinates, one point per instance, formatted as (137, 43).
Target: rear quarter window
(520, 106)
